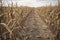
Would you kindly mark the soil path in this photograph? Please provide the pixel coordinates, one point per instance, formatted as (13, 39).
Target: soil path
(35, 29)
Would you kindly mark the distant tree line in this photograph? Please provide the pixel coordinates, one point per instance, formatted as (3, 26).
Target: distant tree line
(58, 2)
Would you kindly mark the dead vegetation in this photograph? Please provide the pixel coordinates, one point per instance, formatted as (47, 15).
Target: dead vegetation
(50, 16)
(12, 19)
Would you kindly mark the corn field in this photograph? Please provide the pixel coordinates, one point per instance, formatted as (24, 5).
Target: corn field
(14, 20)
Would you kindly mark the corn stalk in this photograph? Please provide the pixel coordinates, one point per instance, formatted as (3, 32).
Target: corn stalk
(5, 26)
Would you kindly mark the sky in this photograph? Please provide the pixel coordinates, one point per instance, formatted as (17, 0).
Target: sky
(31, 3)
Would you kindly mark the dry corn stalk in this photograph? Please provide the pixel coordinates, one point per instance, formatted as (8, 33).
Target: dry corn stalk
(5, 25)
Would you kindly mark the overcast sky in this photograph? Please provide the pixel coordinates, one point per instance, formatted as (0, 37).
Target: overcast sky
(32, 3)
